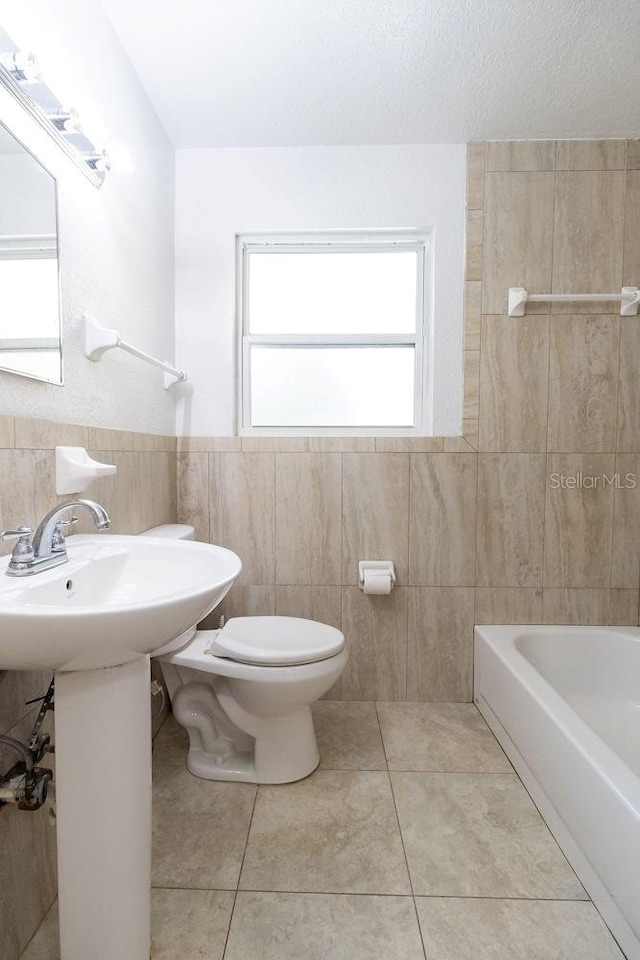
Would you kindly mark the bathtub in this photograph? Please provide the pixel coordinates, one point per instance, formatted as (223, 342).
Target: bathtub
(564, 702)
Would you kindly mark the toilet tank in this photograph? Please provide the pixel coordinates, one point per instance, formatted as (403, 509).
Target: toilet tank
(171, 531)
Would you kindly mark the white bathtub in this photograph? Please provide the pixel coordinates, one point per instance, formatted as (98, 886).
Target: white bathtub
(564, 702)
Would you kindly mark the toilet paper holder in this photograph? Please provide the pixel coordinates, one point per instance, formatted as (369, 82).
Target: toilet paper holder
(369, 569)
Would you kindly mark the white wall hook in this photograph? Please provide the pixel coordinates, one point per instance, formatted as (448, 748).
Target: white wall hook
(75, 470)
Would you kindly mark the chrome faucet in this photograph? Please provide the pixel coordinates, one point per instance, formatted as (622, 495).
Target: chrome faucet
(47, 548)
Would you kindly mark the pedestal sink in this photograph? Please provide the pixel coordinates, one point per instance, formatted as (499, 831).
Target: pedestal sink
(95, 620)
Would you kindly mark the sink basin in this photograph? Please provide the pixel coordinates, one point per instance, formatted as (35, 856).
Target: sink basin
(118, 598)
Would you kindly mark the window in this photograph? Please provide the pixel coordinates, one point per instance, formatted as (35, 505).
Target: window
(29, 316)
(332, 333)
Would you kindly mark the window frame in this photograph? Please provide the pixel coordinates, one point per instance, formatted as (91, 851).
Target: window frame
(19, 248)
(339, 241)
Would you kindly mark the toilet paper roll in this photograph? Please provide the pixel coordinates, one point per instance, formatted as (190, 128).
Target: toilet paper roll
(376, 582)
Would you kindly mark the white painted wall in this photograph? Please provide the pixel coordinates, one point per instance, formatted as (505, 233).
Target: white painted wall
(220, 193)
(116, 243)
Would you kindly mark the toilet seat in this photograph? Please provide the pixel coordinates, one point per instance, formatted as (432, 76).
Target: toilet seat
(197, 655)
(275, 641)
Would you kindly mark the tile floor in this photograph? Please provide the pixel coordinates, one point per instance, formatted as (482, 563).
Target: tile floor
(414, 839)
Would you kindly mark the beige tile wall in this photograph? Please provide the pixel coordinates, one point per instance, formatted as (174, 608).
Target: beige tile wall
(475, 525)
(141, 495)
(560, 385)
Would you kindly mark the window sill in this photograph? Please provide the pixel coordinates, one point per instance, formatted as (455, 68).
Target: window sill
(326, 444)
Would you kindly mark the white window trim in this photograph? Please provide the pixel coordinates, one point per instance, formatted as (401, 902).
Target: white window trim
(372, 241)
(31, 247)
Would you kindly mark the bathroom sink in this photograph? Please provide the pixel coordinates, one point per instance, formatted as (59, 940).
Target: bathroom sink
(116, 601)
(118, 598)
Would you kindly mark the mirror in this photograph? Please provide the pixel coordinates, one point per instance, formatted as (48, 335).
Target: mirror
(30, 336)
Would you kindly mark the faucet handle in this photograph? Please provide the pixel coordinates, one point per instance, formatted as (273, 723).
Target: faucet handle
(57, 543)
(23, 550)
(66, 523)
(17, 534)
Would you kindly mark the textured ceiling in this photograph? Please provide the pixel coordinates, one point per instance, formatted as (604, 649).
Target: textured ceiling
(308, 72)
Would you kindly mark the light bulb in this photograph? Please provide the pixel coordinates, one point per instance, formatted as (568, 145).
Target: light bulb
(22, 65)
(98, 161)
(67, 122)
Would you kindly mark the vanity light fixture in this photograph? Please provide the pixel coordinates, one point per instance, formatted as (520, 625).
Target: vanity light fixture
(20, 76)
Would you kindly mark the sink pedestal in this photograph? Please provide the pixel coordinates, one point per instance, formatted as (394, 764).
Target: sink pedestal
(103, 791)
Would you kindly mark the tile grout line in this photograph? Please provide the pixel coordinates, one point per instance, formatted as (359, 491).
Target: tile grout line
(479, 444)
(454, 773)
(208, 496)
(546, 439)
(421, 770)
(236, 891)
(615, 444)
(404, 851)
(393, 896)
(342, 592)
(410, 461)
(274, 527)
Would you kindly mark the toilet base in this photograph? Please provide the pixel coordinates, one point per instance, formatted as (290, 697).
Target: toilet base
(284, 751)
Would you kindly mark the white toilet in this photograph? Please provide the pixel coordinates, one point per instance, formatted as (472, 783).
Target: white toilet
(244, 693)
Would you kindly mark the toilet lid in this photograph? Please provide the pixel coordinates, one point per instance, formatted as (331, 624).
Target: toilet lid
(276, 641)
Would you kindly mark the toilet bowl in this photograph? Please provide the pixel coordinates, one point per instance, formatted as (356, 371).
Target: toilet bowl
(244, 693)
